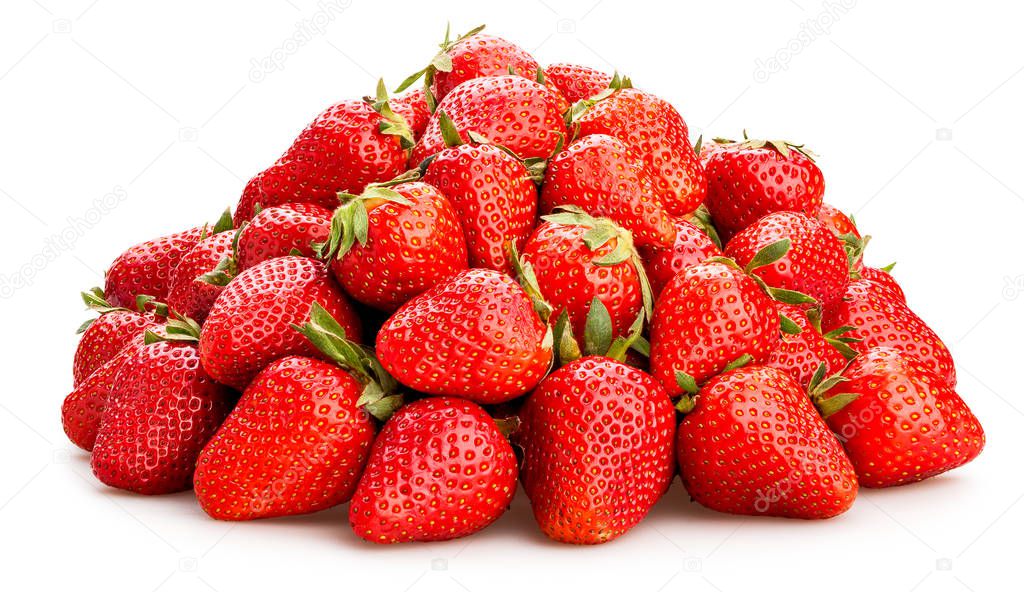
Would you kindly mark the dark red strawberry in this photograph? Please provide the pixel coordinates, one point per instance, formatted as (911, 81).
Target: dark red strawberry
(249, 325)
(492, 193)
(884, 280)
(109, 333)
(753, 178)
(802, 348)
(692, 246)
(288, 229)
(146, 268)
(475, 335)
(440, 469)
(83, 408)
(193, 287)
(754, 444)
(517, 113)
(905, 423)
(392, 243)
(575, 82)
(597, 438)
(604, 177)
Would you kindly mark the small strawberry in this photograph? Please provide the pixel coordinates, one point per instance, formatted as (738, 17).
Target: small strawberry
(83, 408)
(109, 333)
(576, 83)
(475, 336)
(802, 348)
(883, 279)
(249, 325)
(753, 178)
(492, 193)
(517, 113)
(288, 229)
(192, 292)
(597, 438)
(905, 423)
(162, 409)
(301, 433)
(692, 246)
(604, 177)
(393, 243)
(440, 469)
(146, 268)
(752, 443)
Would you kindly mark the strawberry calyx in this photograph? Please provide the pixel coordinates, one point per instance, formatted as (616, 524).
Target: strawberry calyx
(839, 339)
(380, 397)
(224, 223)
(820, 385)
(535, 166)
(763, 258)
(527, 278)
(783, 147)
(688, 400)
(179, 328)
(227, 268)
(789, 326)
(351, 221)
(95, 300)
(393, 124)
(701, 218)
(577, 109)
(441, 62)
(508, 425)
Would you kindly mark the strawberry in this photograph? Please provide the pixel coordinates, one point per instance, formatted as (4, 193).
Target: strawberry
(475, 336)
(879, 319)
(192, 291)
(517, 113)
(708, 318)
(350, 145)
(604, 177)
(753, 178)
(752, 443)
(109, 333)
(440, 469)
(146, 268)
(802, 348)
(691, 246)
(905, 423)
(301, 433)
(835, 220)
(576, 83)
(597, 438)
(412, 107)
(162, 409)
(882, 278)
(83, 408)
(288, 229)
(392, 243)
(815, 263)
(492, 193)
(652, 128)
(249, 324)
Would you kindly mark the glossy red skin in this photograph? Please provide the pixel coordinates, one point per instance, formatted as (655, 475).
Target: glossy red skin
(597, 438)
(106, 336)
(83, 408)
(494, 197)
(250, 324)
(745, 184)
(511, 111)
(691, 247)
(575, 82)
(880, 320)
(439, 470)
(570, 279)
(800, 355)
(295, 443)
(342, 149)
(161, 411)
(474, 336)
(188, 294)
(755, 445)
(655, 130)
(412, 106)
(883, 280)
(408, 249)
(707, 317)
(146, 268)
(482, 55)
(816, 264)
(907, 424)
(279, 230)
(605, 177)
(836, 221)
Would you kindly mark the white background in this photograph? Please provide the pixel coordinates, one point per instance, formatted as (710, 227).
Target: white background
(168, 108)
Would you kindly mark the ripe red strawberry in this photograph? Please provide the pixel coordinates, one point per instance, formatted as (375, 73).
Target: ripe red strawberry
(802, 348)
(597, 438)
(475, 335)
(192, 292)
(515, 112)
(692, 246)
(883, 279)
(835, 220)
(604, 177)
(83, 408)
(249, 325)
(577, 259)
(109, 333)
(881, 320)
(392, 243)
(575, 82)
(161, 411)
(412, 107)
(754, 444)
(815, 263)
(146, 268)
(492, 193)
(753, 178)
(652, 128)
(288, 229)
(707, 318)
(440, 469)
(350, 145)
(905, 424)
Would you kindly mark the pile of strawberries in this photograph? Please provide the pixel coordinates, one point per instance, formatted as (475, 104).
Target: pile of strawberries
(514, 274)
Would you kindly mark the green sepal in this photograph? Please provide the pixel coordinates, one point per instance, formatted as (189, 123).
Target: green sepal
(701, 218)
(820, 385)
(146, 303)
(888, 268)
(790, 296)
(177, 328)
(698, 146)
(836, 339)
(789, 326)
(85, 325)
(225, 271)
(351, 221)
(449, 133)
(566, 347)
(686, 382)
(622, 344)
(224, 223)
(768, 255)
(96, 300)
(783, 147)
(528, 280)
(641, 346)
(597, 334)
(441, 62)
(393, 124)
(738, 363)
(508, 425)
